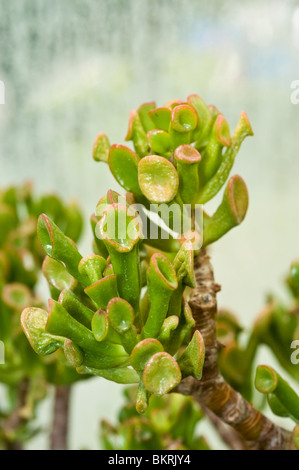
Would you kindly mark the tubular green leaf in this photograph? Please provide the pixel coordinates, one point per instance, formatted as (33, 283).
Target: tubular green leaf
(267, 381)
(162, 281)
(59, 247)
(121, 231)
(218, 179)
(229, 214)
(187, 159)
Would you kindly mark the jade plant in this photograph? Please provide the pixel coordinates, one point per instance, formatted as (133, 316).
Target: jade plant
(141, 309)
(24, 375)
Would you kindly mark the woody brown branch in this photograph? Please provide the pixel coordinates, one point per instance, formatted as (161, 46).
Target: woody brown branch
(229, 436)
(212, 391)
(59, 431)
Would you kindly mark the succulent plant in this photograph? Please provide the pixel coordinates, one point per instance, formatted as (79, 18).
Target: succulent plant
(141, 309)
(100, 319)
(23, 373)
(122, 313)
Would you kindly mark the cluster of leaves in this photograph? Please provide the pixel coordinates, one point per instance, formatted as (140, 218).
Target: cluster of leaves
(21, 256)
(277, 327)
(101, 321)
(169, 423)
(183, 154)
(122, 313)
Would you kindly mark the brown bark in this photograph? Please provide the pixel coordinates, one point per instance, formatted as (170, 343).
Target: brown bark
(212, 391)
(59, 431)
(229, 436)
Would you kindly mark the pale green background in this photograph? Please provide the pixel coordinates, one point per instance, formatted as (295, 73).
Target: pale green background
(74, 68)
